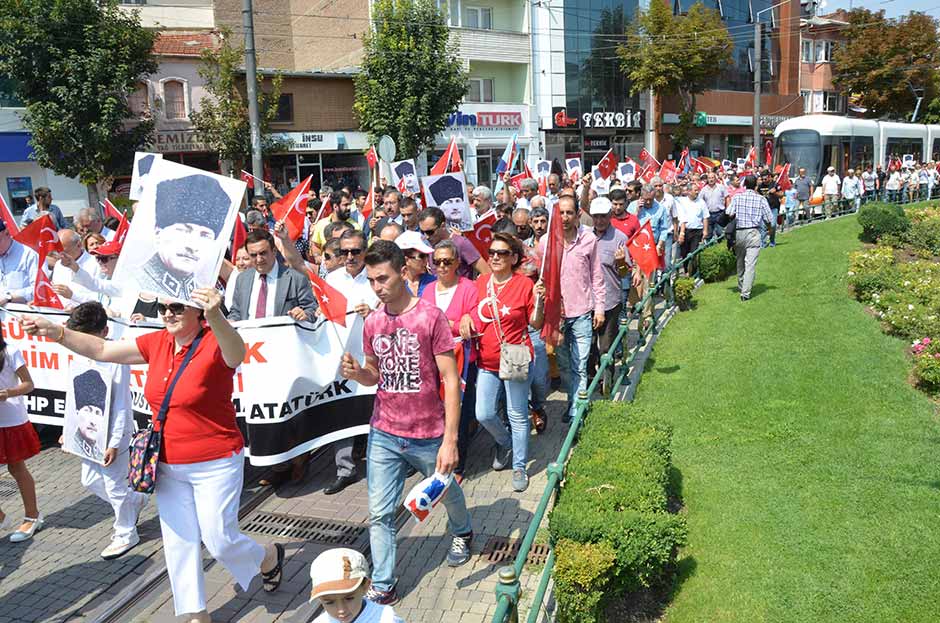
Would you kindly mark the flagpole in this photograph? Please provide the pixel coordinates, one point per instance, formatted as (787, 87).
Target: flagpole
(548, 242)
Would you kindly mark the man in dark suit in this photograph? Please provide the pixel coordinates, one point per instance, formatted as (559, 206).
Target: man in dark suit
(269, 289)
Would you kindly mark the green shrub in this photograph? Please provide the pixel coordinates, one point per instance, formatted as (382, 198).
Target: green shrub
(872, 271)
(924, 235)
(684, 289)
(716, 263)
(582, 573)
(927, 364)
(615, 494)
(879, 219)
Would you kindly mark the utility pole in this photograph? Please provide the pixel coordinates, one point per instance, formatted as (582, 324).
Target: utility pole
(251, 83)
(757, 57)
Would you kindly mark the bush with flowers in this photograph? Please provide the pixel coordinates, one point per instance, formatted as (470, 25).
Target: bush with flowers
(927, 364)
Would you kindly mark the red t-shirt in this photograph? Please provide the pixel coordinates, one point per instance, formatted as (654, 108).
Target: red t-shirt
(628, 223)
(514, 302)
(200, 423)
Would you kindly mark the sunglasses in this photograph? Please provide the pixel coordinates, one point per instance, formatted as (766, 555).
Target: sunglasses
(352, 252)
(499, 252)
(175, 308)
(104, 259)
(429, 232)
(444, 261)
(417, 256)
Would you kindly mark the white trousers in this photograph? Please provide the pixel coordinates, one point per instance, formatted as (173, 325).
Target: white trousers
(110, 484)
(199, 502)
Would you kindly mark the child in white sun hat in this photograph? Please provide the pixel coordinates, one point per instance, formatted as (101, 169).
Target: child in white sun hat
(340, 580)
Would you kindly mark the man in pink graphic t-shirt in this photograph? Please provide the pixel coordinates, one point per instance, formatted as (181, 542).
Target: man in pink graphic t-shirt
(409, 351)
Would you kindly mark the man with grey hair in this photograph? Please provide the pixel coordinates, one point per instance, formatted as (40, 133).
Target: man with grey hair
(390, 231)
(482, 200)
(554, 187)
(529, 189)
(538, 201)
(254, 219)
(88, 221)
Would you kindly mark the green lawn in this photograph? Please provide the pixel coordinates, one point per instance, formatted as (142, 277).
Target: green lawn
(809, 465)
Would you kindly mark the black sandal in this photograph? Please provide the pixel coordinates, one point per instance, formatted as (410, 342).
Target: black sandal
(271, 580)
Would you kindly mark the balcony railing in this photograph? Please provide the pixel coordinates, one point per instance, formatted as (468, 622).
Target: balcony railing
(500, 46)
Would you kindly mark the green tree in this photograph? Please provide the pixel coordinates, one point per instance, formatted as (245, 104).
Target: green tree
(222, 119)
(680, 55)
(884, 64)
(411, 79)
(73, 64)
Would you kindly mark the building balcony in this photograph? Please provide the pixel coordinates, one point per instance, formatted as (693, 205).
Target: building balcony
(501, 46)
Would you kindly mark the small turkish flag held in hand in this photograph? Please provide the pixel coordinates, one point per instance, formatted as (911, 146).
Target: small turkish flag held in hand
(482, 233)
(249, 179)
(332, 303)
(43, 293)
(643, 251)
(292, 208)
(608, 164)
(41, 236)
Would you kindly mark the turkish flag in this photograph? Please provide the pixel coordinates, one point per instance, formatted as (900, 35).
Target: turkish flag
(292, 208)
(649, 173)
(238, 235)
(667, 172)
(643, 251)
(647, 159)
(699, 167)
(248, 178)
(482, 233)
(769, 153)
(110, 211)
(332, 303)
(608, 164)
(683, 160)
(7, 217)
(516, 181)
(450, 162)
(369, 205)
(43, 293)
(40, 236)
(121, 232)
(123, 224)
(783, 180)
(552, 253)
(371, 157)
(751, 161)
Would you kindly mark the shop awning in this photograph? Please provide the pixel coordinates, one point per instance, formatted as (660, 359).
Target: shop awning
(14, 147)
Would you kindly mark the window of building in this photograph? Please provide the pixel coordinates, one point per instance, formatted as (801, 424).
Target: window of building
(823, 51)
(833, 102)
(481, 90)
(478, 17)
(285, 108)
(806, 54)
(807, 101)
(174, 99)
(139, 100)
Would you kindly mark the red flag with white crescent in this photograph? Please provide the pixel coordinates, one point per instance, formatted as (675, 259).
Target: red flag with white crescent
(608, 164)
(369, 205)
(482, 233)
(371, 157)
(667, 172)
(332, 302)
(292, 208)
(248, 178)
(110, 211)
(647, 159)
(783, 180)
(643, 251)
(43, 293)
(41, 236)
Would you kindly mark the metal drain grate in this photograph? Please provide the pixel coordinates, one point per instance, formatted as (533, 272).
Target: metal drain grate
(8, 489)
(501, 549)
(304, 528)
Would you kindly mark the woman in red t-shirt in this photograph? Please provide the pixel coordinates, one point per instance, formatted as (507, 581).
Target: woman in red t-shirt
(506, 308)
(201, 467)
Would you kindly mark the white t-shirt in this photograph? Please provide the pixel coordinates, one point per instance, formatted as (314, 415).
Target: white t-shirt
(830, 184)
(12, 410)
(442, 298)
(371, 613)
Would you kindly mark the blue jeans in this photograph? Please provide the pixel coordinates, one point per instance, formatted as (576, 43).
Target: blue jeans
(517, 410)
(387, 461)
(573, 354)
(538, 374)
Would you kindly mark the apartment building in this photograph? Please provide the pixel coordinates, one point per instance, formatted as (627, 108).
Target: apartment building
(818, 36)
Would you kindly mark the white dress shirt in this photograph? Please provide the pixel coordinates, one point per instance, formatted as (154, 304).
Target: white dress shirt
(18, 268)
(356, 289)
(692, 213)
(272, 292)
(114, 297)
(61, 275)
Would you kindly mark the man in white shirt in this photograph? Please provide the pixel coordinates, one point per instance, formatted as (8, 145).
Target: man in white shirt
(117, 300)
(668, 202)
(693, 216)
(868, 183)
(18, 266)
(852, 191)
(830, 186)
(70, 292)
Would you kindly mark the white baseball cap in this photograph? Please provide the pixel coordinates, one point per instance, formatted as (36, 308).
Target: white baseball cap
(337, 571)
(831, 169)
(600, 205)
(413, 240)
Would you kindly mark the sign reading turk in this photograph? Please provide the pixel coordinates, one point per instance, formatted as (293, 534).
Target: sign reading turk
(485, 120)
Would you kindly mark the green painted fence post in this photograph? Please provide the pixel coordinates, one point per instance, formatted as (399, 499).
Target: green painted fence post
(509, 586)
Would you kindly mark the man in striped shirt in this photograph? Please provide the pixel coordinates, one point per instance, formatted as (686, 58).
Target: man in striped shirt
(751, 210)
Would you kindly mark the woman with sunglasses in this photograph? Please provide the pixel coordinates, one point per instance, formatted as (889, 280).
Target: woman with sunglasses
(416, 252)
(200, 470)
(456, 296)
(508, 306)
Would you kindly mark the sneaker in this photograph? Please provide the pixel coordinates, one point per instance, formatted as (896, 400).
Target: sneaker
(119, 547)
(502, 458)
(459, 550)
(520, 480)
(382, 598)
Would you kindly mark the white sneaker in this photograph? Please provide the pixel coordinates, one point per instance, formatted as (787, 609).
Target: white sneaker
(119, 547)
(35, 525)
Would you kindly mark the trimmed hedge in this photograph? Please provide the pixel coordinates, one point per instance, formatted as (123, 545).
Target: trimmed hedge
(882, 219)
(614, 496)
(716, 263)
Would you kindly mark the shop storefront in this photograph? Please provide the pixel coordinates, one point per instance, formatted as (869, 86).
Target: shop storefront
(483, 131)
(334, 159)
(590, 135)
(184, 146)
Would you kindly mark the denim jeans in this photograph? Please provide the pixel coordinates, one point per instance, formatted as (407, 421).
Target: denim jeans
(573, 354)
(387, 461)
(517, 410)
(538, 375)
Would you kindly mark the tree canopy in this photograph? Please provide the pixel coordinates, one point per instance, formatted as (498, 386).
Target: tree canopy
(73, 64)
(221, 121)
(411, 78)
(883, 64)
(678, 55)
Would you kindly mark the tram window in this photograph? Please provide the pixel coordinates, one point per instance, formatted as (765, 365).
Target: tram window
(863, 148)
(935, 152)
(897, 146)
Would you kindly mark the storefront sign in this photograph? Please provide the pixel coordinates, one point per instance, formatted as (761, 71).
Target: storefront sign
(323, 141)
(770, 122)
(483, 120)
(177, 141)
(19, 187)
(620, 120)
(596, 143)
(673, 119)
